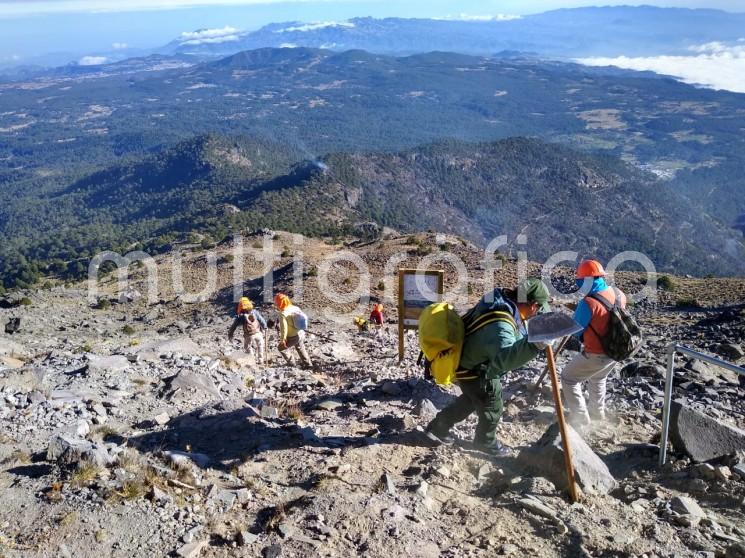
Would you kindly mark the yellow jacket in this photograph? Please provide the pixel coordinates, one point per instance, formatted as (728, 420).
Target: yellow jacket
(287, 323)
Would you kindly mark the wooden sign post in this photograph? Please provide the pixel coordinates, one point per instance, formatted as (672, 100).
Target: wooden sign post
(417, 289)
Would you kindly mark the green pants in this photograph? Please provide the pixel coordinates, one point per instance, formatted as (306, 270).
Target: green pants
(482, 396)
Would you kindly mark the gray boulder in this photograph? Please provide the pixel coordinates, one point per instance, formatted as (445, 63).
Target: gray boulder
(425, 408)
(70, 452)
(102, 364)
(188, 381)
(13, 325)
(686, 506)
(546, 459)
(181, 345)
(703, 438)
(709, 374)
(731, 351)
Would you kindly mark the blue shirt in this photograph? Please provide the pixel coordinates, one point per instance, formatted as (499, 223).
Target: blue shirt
(583, 314)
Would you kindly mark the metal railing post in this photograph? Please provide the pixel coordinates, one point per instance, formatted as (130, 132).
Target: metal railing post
(667, 403)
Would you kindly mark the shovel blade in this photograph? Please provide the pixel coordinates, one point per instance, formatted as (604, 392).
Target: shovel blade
(551, 326)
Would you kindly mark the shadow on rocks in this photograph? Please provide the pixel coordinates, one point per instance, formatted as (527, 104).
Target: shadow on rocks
(35, 471)
(230, 432)
(404, 390)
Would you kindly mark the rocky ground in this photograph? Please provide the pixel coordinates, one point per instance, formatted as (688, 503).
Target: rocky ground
(137, 429)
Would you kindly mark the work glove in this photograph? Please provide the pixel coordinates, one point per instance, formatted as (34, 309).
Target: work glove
(282, 345)
(545, 345)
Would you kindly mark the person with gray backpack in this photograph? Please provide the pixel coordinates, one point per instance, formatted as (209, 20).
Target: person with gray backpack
(293, 324)
(610, 334)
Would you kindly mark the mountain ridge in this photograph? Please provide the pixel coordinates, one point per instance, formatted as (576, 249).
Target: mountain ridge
(560, 198)
(569, 32)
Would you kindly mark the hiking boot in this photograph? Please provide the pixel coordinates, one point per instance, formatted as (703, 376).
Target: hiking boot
(495, 449)
(446, 439)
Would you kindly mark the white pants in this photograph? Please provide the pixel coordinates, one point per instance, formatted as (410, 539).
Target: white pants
(593, 369)
(254, 344)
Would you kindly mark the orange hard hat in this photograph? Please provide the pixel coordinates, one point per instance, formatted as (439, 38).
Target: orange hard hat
(281, 301)
(378, 307)
(590, 268)
(245, 305)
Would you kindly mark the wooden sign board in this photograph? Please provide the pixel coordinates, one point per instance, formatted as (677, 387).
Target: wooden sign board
(417, 289)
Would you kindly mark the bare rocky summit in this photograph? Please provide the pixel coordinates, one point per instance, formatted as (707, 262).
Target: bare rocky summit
(138, 430)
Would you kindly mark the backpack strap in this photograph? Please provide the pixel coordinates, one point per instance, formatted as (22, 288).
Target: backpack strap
(602, 300)
(490, 318)
(607, 305)
(474, 325)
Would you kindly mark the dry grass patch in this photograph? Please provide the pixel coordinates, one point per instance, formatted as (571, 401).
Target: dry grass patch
(18, 456)
(294, 412)
(69, 519)
(133, 489)
(84, 475)
(275, 517)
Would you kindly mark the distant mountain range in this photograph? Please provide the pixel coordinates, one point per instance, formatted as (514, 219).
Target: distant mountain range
(567, 33)
(73, 143)
(560, 34)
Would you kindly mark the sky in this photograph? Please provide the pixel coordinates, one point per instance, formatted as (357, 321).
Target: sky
(75, 28)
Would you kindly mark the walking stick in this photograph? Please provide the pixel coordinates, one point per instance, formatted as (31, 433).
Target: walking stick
(266, 347)
(321, 337)
(560, 348)
(562, 424)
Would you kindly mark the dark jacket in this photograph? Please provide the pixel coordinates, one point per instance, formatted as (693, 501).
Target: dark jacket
(498, 347)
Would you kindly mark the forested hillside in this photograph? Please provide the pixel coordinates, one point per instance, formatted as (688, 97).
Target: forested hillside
(559, 198)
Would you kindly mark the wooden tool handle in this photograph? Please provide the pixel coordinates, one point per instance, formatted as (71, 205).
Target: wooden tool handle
(562, 424)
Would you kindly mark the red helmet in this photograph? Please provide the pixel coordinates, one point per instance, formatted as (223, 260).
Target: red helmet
(590, 268)
(281, 301)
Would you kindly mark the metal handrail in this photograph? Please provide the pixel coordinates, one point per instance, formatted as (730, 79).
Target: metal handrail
(671, 351)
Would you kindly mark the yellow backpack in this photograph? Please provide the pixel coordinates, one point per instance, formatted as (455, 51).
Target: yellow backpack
(442, 334)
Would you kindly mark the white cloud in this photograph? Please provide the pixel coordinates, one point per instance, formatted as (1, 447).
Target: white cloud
(288, 45)
(316, 26)
(36, 7)
(469, 17)
(210, 36)
(119, 46)
(715, 65)
(92, 60)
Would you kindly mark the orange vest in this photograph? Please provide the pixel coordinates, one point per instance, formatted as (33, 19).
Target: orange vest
(599, 322)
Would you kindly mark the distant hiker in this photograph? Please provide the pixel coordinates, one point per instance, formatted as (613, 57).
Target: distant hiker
(377, 320)
(254, 326)
(376, 316)
(292, 325)
(497, 343)
(362, 324)
(592, 365)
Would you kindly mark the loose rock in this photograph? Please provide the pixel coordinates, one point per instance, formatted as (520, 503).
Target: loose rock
(546, 458)
(702, 437)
